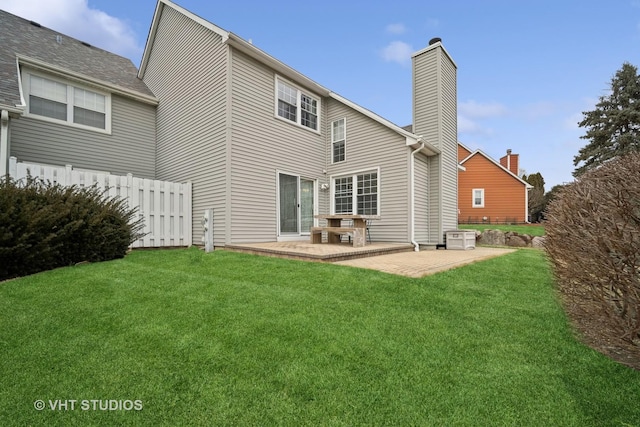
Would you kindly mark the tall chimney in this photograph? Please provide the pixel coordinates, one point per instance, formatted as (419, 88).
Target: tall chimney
(435, 120)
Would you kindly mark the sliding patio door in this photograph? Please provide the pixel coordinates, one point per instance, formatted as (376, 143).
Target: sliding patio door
(295, 206)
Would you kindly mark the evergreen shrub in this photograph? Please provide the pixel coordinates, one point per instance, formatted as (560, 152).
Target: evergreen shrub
(45, 226)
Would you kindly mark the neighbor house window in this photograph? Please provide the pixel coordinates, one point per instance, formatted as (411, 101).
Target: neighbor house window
(363, 201)
(297, 106)
(338, 140)
(478, 197)
(68, 103)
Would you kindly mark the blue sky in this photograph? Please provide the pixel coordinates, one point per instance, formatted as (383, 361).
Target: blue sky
(526, 70)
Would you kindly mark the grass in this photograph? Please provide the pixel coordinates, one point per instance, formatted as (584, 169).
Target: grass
(235, 339)
(532, 230)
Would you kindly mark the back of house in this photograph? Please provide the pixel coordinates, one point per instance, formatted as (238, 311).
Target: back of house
(264, 146)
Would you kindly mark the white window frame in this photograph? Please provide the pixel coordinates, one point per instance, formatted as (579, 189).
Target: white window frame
(354, 190)
(299, 93)
(71, 87)
(334, 141)
(473, 198)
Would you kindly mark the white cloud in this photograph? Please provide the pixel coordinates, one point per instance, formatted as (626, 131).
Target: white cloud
(76, 19)
(397, 51)
(398, 28)
(476, 110)
(466, 125)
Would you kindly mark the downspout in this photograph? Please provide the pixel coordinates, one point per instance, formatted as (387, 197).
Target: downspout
(4, 143)
(416, 246)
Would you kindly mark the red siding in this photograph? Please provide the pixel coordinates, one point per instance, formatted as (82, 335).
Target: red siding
(463, 153)
(504, 195)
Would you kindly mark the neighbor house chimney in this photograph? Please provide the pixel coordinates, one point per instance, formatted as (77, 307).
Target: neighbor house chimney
(510, 162)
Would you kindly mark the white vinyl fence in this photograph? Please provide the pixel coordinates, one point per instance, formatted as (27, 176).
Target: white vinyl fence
(165, 206)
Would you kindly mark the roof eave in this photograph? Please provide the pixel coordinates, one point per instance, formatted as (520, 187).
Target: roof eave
(416, 142)
(486, 156)
(412, 140)
(154, 29)
(72, 75)
(281, 68)
(14, 111)
(150, 38)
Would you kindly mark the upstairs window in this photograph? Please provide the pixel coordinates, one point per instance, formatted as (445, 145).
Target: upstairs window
(56, 100)
(297, 106)
(338, 141)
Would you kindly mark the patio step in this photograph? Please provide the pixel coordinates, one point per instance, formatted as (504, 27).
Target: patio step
(319, 252)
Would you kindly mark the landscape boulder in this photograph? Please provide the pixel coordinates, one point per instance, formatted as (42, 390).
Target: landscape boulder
(537, 242)
(517, 240)
(509, 238)
(492, 237)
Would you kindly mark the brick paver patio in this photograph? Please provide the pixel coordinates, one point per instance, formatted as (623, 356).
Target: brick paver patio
(394, 258)
(419, 264)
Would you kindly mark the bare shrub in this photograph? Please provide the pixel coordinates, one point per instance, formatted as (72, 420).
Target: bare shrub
(593, 239)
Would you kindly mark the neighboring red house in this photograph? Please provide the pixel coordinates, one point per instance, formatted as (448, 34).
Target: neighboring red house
(490, 191)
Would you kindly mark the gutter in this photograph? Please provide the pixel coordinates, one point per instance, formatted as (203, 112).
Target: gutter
(4, 143)
(416, 246)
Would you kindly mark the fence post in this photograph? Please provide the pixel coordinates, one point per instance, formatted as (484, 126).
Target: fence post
(13, 167)
(67, 175)
(187, 207)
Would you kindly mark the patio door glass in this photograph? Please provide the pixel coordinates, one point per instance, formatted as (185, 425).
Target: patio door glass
(296, 204)
(306, 205)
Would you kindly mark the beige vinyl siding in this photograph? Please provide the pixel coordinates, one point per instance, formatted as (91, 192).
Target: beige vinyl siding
(421, 199)
(370, 145)
(263, 145)
(130, 148)
(426, 96)
(435, 118)
(188, 73)
(435, 200)
(449, 147)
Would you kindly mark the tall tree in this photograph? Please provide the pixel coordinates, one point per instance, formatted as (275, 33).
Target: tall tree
(613, 128)
(536, 196)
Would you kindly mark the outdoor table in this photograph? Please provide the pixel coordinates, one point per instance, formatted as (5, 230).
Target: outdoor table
(334, 228)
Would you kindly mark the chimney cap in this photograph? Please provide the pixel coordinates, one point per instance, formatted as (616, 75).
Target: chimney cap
(508, 150)
(434, 40)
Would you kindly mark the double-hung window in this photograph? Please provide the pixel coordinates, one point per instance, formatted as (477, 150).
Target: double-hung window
(343, 195)
(478, 197)
(338, 141)
(297, 106)
(364, 200)
(57, 100)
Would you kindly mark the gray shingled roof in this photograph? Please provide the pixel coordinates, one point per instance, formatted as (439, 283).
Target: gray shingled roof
(19, 36)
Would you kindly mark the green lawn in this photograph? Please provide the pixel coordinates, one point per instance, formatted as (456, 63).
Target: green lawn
(532, 230)
(235, 339)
